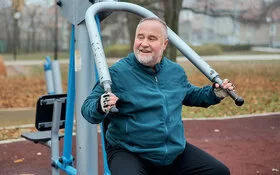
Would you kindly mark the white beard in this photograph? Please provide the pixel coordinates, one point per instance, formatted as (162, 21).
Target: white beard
(145, 60)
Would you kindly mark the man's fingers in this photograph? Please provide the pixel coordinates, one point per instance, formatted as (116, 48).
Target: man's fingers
(227, 84)
(217, 85)
(107, 101)
(113, 99)
(111, 102)
(105, 98)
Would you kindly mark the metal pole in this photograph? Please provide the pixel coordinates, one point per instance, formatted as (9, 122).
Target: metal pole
(54, 136)
(55, 33)
(86, 140)
(69, 122)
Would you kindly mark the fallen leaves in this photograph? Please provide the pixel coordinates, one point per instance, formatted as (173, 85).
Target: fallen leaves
(22, 89)
(19, 160)
(14, 133)
(275, 170)
(258, 82)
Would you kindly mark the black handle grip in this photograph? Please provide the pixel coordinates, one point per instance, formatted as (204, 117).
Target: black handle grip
(239, 101)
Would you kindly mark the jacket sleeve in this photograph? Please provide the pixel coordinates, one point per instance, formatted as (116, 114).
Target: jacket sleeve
(200, 97)
(89, 108)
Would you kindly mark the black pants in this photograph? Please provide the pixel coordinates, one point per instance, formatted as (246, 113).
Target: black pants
(193, 161)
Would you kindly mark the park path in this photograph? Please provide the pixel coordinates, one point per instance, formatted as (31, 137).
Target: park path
(179, 59)
(247, 145)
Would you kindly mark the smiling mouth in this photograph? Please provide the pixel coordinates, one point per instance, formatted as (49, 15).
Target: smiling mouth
(145, 51)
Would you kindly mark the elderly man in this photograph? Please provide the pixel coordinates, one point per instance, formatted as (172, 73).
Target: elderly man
(146, 135)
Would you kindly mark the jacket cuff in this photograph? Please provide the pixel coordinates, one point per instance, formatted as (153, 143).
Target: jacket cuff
(98, 106)
(218, 99)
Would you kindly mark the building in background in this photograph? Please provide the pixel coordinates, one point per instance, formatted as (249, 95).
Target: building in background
(198, 29)
(36, 26)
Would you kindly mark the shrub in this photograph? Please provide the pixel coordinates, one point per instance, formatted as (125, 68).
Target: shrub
(208, 49)
(117, 51)
(238, 47)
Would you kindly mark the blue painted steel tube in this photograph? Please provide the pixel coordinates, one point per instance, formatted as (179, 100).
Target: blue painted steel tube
(48, 75)
(70, 170)
(67, 148)
(105, 163)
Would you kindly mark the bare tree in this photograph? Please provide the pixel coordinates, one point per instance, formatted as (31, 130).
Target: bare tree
(32, 13)
(132, 20)
(171, 15)
(254, 12)
(6, 25)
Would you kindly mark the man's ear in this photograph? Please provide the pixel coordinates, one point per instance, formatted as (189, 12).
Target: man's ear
(165, 43)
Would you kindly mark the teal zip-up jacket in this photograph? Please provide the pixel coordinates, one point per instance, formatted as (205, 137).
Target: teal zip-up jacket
(149, 120)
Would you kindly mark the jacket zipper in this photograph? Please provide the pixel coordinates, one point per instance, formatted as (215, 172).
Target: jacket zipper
(166, 130)
(156, 79)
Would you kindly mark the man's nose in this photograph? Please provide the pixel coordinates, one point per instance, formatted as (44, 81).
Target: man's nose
(145, 42)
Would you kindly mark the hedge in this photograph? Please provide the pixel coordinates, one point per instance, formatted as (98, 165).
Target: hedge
(118, 51)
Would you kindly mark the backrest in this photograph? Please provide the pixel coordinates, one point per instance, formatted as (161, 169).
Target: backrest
(44, 111)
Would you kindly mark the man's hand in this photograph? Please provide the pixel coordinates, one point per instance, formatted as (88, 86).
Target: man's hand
(108, 100)
(226, 84)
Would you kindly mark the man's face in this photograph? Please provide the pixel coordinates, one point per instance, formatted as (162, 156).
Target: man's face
(149, 42)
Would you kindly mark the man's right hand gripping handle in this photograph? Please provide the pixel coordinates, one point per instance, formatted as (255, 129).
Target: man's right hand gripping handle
(107, 102)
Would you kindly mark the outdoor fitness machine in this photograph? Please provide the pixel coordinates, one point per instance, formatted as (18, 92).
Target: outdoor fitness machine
(100, 59)
(86, 51)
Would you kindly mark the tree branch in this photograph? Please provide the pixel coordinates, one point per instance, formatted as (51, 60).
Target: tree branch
(243, 16)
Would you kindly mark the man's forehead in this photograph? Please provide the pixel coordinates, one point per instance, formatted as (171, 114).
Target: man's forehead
(148, 31)
(151, 21)
(151, 25)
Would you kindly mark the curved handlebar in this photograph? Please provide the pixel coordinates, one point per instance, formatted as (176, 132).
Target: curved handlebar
(99, 55)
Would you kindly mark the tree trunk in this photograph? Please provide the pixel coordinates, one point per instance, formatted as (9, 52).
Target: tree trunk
(33, 36)
(132, 21)
(171, 15)
(9, 34)
(15, 39)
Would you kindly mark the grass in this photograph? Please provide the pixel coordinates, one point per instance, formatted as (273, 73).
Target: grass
(35, 56)
(65, 55)
(258, 82)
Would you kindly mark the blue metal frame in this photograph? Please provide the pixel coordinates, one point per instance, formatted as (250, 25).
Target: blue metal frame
(105, 163)
(66, 161)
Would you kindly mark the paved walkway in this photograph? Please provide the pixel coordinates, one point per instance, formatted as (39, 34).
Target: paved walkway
(247, 145)
(15, 117)
(206, 58)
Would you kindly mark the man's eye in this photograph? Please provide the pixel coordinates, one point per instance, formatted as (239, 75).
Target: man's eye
(140, 37)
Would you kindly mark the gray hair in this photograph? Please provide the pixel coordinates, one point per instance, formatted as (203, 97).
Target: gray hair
(156, 19)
